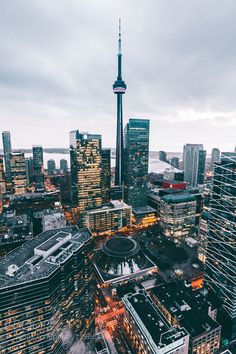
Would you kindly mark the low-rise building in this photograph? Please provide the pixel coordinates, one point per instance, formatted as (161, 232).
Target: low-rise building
(48, 219)
(110, 218)
(144, 216)
(121, 259)
(148, 329)
(191, 309)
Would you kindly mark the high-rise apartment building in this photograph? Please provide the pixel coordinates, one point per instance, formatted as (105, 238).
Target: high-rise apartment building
(6, 142)
(119, 89)
(38, 168)
(51, 164)
(106, 174)
(194, 164)
(47, 293)
(18, 173)
(136, 161)
(221, 240)
(85, 153)
(63, 165)
(215, 157)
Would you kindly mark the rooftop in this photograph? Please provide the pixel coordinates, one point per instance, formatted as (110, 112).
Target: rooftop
(143, 210)
(113, 205)
(119, 258)
(178, 198)
(151, 320)
(39, 257)
(189, 305)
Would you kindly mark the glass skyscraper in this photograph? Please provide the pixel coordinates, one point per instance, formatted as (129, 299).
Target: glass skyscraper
(85, 154)
(6, 142)
(38, 168)
(221, 240)
(63, 165)
(18, 172)
(106, 175)
(194, 164)
(215, 157)
(136, 161)
(51, 164)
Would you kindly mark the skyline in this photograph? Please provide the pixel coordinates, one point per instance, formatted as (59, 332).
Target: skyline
(183, 79)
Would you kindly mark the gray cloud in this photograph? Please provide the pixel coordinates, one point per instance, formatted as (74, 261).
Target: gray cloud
(58, 63)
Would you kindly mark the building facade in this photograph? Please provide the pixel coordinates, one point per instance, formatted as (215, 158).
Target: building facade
(18, 173)
(86, 186)
(215, 157)
(2, 176)
(46, 290)
(136, 162)
(190, 309)
(63, 165)
(51, 164)
(110, 218)
(148, 329)
(106, 175)
(220, 247)
(30, 170)
(162, 156)
(38, 169)
(175, 162)
(194, 164)
(6, 142)
(177, 216)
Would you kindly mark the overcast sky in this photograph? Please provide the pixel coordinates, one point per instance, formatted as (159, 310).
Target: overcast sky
(58, 63)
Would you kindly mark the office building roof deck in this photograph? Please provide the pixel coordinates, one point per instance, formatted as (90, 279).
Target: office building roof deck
(178, 198)
(113, 205)
(143, 210)
(188, 305)
(37, 258)
(151, 320)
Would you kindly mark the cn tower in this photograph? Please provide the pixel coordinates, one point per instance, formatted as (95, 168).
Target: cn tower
(119, 88)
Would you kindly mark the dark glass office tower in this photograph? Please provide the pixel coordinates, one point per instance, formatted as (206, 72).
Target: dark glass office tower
(85, 153)
(119, 89)
(136, 161)
(30, 170)
(194, 164)
(6, 142)
(215, 157)
(51, 164)
(106, 175)
(63, 165)
(38, 168)
(201, 167)
(162, 156)
(221, 240)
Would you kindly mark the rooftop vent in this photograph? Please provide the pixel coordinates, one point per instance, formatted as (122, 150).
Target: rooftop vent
(11, 270)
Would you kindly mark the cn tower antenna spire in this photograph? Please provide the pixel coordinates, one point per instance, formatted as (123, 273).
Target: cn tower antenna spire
(119, 89)
(119, 46)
